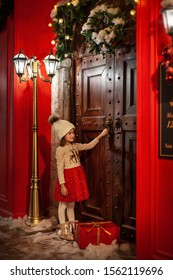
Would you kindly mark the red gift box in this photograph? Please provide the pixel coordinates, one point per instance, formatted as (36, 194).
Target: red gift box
(96, 233)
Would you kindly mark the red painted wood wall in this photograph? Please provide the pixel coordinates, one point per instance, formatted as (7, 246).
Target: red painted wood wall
(154, 175)
(31, 33)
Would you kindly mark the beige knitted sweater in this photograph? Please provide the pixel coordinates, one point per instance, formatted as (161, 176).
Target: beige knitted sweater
(68, 156)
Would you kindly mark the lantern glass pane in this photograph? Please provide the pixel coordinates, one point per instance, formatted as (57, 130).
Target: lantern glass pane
(168, 21)
(20, 62)
(21, 67)
(50, 62)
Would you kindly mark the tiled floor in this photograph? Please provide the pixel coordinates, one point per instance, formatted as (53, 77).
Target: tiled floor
(19, 244)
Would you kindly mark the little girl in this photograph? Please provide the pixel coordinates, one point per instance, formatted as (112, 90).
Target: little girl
(71, 185)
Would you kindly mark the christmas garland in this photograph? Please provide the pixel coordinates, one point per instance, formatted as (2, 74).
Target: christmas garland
(65, 16)
(167, 62)
(5, 9)
(102, 31)
(167, 52)
(105, 29)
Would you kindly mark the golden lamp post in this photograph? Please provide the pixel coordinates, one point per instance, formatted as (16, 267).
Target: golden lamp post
(30, 69)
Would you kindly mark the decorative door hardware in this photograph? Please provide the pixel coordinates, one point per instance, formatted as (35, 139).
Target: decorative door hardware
(114, 126)
(118, 126)
(109, 126)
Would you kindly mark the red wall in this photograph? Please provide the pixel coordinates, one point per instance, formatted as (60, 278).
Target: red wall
(6, 106)
(26, 28)
(33, 36)
(154, 175)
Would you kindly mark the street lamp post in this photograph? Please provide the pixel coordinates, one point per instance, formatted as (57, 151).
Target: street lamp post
(30, 69)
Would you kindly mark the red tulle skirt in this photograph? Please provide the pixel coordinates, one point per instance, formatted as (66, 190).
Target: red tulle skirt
(76, 184)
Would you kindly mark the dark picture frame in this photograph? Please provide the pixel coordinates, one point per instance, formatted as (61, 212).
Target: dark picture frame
(165, 115)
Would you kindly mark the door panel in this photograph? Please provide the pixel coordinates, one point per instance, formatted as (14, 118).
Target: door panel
(125, 142)
(94, 104)
(106, 91)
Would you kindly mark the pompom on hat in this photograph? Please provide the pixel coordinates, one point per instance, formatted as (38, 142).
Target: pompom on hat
(61, 127)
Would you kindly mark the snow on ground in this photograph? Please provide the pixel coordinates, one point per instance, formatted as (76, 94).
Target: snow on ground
(42, 242)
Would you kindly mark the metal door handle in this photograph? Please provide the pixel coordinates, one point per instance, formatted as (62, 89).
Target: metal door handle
(109, 126)
(118, 126)
(114, 126)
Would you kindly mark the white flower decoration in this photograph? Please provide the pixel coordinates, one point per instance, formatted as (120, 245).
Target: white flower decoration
(86, 26)
(98, 8)
(94, 35)
(113, 11)
(102, 33)
(75, 2)
(117, 21)
(53, 13)
(104, 28)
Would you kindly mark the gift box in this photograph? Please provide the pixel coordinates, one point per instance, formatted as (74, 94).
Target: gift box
(96, 233)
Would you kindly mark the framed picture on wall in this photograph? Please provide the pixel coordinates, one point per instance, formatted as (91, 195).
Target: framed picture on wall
(165, 115)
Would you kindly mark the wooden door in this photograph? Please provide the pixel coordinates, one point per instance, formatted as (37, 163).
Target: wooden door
(94, 104)
(124, 199)
(105, 91)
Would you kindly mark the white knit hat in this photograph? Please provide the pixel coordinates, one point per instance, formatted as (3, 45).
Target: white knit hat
(61, 127)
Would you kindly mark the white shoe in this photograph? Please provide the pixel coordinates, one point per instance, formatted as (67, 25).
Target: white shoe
(64, 233)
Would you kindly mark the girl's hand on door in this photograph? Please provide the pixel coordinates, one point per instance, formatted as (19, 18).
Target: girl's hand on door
(102, 134)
